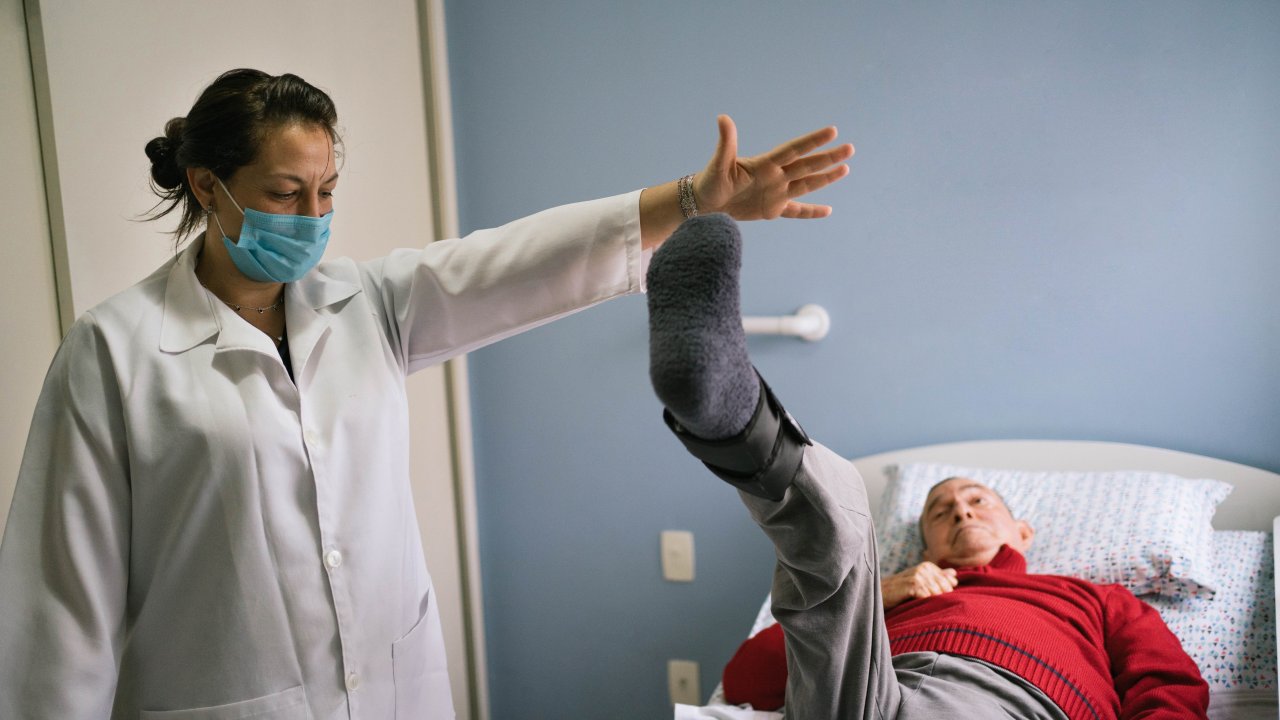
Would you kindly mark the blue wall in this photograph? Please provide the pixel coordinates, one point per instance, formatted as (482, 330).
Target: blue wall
(1062, 222)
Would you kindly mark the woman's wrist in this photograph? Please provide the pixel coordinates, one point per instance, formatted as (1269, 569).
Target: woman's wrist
(659, 213)
(663, 207)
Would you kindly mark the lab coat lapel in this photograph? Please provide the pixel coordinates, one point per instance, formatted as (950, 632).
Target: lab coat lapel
(192, 315)
(308, 305)
(189, 316)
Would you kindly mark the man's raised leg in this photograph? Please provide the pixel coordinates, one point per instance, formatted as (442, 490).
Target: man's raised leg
(809, 501)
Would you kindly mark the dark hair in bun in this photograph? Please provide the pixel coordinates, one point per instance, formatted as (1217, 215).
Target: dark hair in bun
(166, 176)
(224, 131)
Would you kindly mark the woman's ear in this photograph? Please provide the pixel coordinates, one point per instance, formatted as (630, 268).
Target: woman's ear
(200, 180)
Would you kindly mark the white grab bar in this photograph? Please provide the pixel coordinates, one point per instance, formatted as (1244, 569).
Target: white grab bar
(810, 322)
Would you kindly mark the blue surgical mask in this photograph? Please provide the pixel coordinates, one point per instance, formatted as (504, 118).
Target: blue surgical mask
(276, 248)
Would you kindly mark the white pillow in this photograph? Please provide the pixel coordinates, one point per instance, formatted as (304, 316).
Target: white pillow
(1150, 532)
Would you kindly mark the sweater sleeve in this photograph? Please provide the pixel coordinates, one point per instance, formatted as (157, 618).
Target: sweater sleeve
(1153, 676)
(757, 674)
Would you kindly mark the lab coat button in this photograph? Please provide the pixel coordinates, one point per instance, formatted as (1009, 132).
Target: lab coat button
(353, 681)
(333, 559)
(311, 438)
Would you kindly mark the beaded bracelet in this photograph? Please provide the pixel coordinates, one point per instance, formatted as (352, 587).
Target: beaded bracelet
(688, 207)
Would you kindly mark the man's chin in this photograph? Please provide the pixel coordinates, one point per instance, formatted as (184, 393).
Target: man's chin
(973, 554)
(974, 540)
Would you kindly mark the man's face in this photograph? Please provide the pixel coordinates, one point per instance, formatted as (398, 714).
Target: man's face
(965, 523)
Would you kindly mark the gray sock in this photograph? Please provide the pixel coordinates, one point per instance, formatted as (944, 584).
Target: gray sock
(698, 360)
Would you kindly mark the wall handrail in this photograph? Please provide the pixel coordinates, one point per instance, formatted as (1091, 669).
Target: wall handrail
(811, 322)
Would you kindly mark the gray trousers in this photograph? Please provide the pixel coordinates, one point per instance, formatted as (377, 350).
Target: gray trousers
(826, 596)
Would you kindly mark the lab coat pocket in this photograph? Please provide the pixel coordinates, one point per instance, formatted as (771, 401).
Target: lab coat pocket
(290, 704)
(420, 672)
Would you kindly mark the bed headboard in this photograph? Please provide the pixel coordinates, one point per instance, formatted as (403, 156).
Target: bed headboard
(1253, 505)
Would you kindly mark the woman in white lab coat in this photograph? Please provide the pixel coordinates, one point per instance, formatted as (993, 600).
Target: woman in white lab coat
(213, 516)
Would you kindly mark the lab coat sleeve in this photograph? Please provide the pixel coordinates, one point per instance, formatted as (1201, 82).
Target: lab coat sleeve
(64, 558)
(456, 295)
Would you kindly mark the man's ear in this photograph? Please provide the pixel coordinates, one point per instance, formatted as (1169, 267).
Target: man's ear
(1026, 534)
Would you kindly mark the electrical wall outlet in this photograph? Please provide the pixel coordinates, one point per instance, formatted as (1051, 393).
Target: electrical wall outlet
(682, 682)
(677, 555)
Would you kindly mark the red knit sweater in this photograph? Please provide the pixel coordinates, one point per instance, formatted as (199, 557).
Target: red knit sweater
(1095, 650)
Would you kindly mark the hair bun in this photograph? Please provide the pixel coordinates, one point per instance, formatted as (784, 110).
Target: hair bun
(163, 153)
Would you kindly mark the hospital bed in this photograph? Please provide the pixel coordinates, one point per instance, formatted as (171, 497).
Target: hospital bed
(1193, 536)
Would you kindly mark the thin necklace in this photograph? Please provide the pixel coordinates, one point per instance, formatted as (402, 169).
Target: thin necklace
(238, 308)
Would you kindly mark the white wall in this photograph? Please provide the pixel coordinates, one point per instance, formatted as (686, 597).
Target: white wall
(29, 319)
(118, 72)
(105, 78)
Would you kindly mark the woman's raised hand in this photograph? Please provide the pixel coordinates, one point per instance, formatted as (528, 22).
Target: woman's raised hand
(766, 186)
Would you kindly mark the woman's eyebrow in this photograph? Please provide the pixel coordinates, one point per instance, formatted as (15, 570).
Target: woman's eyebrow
(290, 176)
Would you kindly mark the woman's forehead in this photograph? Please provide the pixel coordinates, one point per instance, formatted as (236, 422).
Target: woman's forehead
(296, 149)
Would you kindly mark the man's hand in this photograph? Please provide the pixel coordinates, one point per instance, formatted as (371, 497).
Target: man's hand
(922, 581)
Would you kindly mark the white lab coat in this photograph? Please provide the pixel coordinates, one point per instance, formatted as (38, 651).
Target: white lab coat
(195, 536)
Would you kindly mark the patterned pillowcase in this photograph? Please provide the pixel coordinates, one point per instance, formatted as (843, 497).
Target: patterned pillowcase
(1232, 634)
(1150, 532)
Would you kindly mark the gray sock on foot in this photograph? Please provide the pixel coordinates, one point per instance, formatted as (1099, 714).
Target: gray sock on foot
(698, 360)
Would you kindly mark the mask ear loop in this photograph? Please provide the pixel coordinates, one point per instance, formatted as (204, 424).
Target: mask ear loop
(228, 192)
(209, 210)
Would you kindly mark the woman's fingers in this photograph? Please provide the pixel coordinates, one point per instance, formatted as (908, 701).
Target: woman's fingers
(788, 151)
(806, 185)
(805, 211)
(815, 163)
(816, 181)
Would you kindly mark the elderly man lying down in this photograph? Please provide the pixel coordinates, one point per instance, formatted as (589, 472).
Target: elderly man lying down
(967, 634)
